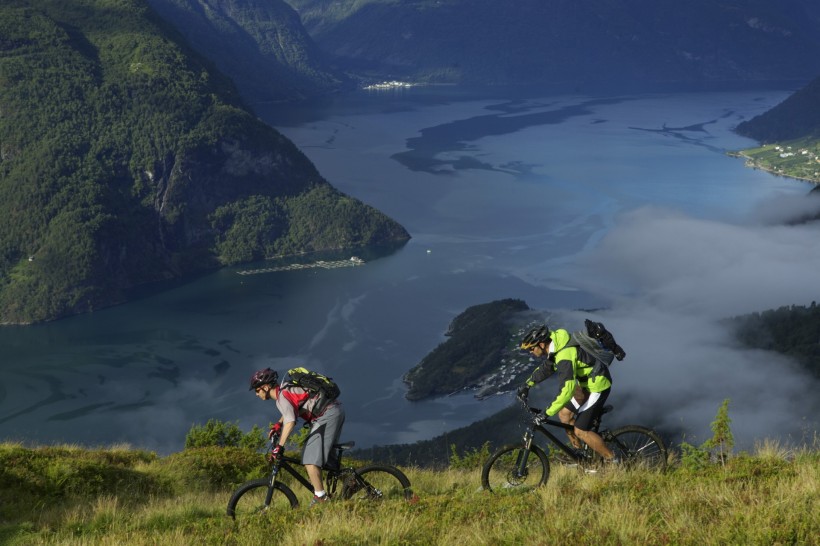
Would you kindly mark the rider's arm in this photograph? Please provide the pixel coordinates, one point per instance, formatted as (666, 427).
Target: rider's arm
(287, 428)
(288, 419)
(566, 382)
(541, 373)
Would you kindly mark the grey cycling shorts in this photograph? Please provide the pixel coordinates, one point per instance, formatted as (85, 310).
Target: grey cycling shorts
(324, 432)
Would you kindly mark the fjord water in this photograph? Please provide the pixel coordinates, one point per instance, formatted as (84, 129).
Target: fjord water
(501, 196)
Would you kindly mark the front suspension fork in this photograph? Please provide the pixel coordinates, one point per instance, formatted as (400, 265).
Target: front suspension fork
(523, 455)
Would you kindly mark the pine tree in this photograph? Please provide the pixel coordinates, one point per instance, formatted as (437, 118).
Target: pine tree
(722, 440)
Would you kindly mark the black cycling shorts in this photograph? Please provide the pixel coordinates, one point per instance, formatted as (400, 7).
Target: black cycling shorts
(584, 419)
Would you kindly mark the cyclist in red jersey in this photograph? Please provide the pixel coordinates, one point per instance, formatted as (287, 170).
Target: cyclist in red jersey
(294, 402)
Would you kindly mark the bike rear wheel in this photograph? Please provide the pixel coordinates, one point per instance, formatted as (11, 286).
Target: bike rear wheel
(249, 499)
(376, 483)
(502, 471)
(638, 447)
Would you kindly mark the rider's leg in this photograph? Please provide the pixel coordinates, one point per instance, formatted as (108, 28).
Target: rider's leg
(324, 432)
(584, 423)
(594, 440)
(315, 475)
(567, 417)
(567, 414)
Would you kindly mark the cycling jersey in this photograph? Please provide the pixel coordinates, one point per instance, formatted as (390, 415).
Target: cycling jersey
(293, 399)
(574, 366)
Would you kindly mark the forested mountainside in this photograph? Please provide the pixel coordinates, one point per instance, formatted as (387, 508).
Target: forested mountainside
(793, 330)
(565, 41)
(125, 159)
(260, 44)
(796, 117)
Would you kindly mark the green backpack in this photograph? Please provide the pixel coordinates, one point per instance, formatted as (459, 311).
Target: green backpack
(315, 383)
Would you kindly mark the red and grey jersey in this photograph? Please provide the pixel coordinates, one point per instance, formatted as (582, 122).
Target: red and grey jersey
(294, 402)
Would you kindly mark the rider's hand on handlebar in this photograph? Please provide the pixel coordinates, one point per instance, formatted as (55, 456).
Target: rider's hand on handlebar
(523, 393)
(276, 453)
(540, 418)
(275, 429)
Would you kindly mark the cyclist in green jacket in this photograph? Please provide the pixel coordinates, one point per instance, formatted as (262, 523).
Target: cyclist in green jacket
(583, 386)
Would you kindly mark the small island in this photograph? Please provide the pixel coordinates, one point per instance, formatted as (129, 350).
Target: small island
(481, 354)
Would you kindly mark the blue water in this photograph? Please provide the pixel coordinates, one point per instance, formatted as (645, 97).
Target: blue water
(503, 198)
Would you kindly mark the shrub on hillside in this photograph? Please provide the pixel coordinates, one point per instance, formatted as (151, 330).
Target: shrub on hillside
(214, 468)
(221, 434)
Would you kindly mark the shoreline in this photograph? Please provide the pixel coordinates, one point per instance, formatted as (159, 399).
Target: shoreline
(753, 164)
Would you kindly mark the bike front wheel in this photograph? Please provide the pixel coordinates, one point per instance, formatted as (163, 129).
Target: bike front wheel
(638, 447)
(251, 499)
(376, 483)
(514, 468)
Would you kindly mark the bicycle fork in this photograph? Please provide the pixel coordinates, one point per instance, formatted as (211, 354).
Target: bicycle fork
(269, 494)
(523, 455)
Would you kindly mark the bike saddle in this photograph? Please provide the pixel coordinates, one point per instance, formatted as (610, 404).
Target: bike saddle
(346, 445)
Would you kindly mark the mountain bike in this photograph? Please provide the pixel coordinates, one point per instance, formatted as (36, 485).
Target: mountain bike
(369, 483)
(525, 465)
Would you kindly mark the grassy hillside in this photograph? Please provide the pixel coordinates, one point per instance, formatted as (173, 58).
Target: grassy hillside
(73, 496)
(126, 159)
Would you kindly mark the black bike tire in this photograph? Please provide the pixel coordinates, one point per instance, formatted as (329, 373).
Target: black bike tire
(541, 457)
(403, 489)
(656, 459)
(255, 484)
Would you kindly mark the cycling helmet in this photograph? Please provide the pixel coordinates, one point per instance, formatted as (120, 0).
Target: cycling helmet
(264, 377)
(534, 337)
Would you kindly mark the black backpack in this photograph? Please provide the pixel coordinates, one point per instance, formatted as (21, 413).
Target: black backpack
(315, 383)
(598, 342)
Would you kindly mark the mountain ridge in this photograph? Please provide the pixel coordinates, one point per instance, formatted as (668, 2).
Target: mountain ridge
(639, 42)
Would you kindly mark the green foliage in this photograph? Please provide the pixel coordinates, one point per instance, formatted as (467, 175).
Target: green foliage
(221, 434)
(722, 441)
(478, 339)
(58, 475)
(718, 448)
(693, 457)
(212, 467)
(472, 459)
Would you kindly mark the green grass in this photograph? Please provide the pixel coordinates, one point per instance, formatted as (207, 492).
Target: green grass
(796, 158)
(76, 496)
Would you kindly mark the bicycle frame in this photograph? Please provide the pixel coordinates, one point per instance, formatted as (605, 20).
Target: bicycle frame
(331, 475)
(539, 426)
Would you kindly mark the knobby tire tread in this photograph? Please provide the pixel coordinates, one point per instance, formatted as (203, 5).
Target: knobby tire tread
(403, 480)
(535, 451)
(662, 454)
(255, 484)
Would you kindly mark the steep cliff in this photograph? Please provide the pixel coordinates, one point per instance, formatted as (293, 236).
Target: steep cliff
(260, 44)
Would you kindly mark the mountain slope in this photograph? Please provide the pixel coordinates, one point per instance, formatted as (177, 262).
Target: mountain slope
(260, 44)
(596, 41)
(796, 117)
(126, 159)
